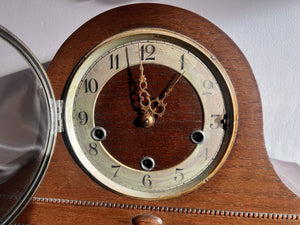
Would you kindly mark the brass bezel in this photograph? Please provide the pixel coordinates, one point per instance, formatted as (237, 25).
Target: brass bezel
(208, 58)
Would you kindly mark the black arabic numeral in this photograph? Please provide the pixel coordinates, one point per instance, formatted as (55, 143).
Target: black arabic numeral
(182, 61)
(116, 167)
(220, 121)
(216, 123)
(205, 154)
(83, 118)
(178, 175)
(147, 52)
(114, 61)
(207, 85)
(93, 149)
(91, 85)
(146, 181)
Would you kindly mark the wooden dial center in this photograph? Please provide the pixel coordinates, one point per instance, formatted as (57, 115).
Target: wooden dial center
(168, 141)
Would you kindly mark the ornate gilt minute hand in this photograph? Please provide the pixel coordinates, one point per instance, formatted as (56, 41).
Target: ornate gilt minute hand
(147, 118)
(144, 96)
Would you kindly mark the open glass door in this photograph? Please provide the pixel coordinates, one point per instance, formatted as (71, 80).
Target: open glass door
(27, 125)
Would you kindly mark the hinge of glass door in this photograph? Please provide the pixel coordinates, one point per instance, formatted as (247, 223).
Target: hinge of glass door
(60, 124)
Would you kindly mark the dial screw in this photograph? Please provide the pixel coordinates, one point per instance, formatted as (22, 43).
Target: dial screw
(197, 137)
(147, 163)
(98, 134)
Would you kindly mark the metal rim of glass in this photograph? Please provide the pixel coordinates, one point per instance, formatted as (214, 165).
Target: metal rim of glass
(41, 75)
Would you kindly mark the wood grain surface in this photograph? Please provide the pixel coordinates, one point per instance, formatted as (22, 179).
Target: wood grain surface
(246, 190)
(118, 111)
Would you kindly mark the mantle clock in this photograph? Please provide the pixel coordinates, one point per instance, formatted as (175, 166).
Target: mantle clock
(158, 121)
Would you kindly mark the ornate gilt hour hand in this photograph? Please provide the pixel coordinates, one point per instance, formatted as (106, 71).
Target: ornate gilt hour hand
(147, 119)
(158, 103)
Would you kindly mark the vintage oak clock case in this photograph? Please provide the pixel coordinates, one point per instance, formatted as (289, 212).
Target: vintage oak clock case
(242, 190)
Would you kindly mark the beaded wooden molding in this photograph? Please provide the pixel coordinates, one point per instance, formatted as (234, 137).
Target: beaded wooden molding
(211, 212)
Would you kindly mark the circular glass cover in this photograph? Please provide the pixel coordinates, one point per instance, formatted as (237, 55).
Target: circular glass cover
(27, 131)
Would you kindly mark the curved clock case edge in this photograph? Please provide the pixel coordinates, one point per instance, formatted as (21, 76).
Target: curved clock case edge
(246, 186)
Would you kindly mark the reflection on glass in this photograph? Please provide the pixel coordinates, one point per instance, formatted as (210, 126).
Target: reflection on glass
(24, 129)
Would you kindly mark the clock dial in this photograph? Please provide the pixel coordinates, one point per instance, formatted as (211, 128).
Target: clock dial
(159, 77)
